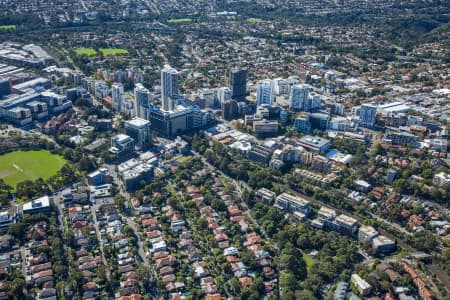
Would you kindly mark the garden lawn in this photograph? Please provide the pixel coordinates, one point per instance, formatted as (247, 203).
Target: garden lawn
(86, 52)
(113, 51)
(254, 20)
(183, 159)
(7, 27)
(182, 20)
(308, 260)
(18, 166)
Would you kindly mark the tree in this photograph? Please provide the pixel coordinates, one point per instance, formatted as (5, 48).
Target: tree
(76, 280)
(424, 241)
(304, 295)
(114, 190)
(15, 288)
(218, 205)
(261, 178)
(30, 189)
(5, 190)
(288, 282)
(86, 164)
(139, 194)
(202, 224)
(128, 230)
(400, 185)
(248, 259)
(235, 286)
(17, 230)
(144, 275)
(248, 197)
(292, 261)
(119, 200)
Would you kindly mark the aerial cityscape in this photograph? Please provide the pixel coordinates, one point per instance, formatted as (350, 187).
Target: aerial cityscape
(245, 149)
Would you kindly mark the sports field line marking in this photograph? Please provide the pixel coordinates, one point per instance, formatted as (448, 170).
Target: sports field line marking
(18, 168)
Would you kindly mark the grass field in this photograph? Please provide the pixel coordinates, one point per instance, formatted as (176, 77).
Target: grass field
(183, 159)
(7, 27)
(308, 260)
(18, 166)
(113, 51)
(254, 20)
(182, 20)
(86, 52)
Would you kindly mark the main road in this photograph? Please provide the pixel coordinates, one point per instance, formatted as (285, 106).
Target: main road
(130, 221)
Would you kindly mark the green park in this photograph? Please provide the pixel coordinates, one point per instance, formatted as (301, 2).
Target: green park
(181, 20)
(18, 166)
(113, 51)
(7, 27)
(254, 20)
(85, 52)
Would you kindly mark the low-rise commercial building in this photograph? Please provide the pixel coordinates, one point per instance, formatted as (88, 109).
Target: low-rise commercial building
(442, 179)
(121, 144)
(265, 127)
(39, 205)
(400, 138)
(24, 108)
(382, 244)
(293, 204)
(363, 287)
(314, 143)
(316, 178)
(302, 123)
(132, 177)
(326, 214)
(7, 217)
(346, 225)
(366, 233)
(99, 177)
(134, 171)
(266, 196)
(139, 130)
(260, 154)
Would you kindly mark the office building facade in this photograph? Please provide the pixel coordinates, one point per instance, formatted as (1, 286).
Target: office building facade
(5, 88)
(117, 93)
(319, 121)
(229, 110)
(367, 115)
(302, 123)
(223, 95)
(238, 84)
(121, 144)
(293, 203)
(139, 130)
(172, 123)
(169, 87)
(142, 99)
(265, 127)
(23, 109)
(299, 97)
(265, 92)
(260, 154)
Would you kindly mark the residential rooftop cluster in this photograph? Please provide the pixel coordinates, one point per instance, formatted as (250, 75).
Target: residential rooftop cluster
(224, 149)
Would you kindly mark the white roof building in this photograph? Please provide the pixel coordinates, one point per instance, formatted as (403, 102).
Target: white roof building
(38, 205)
